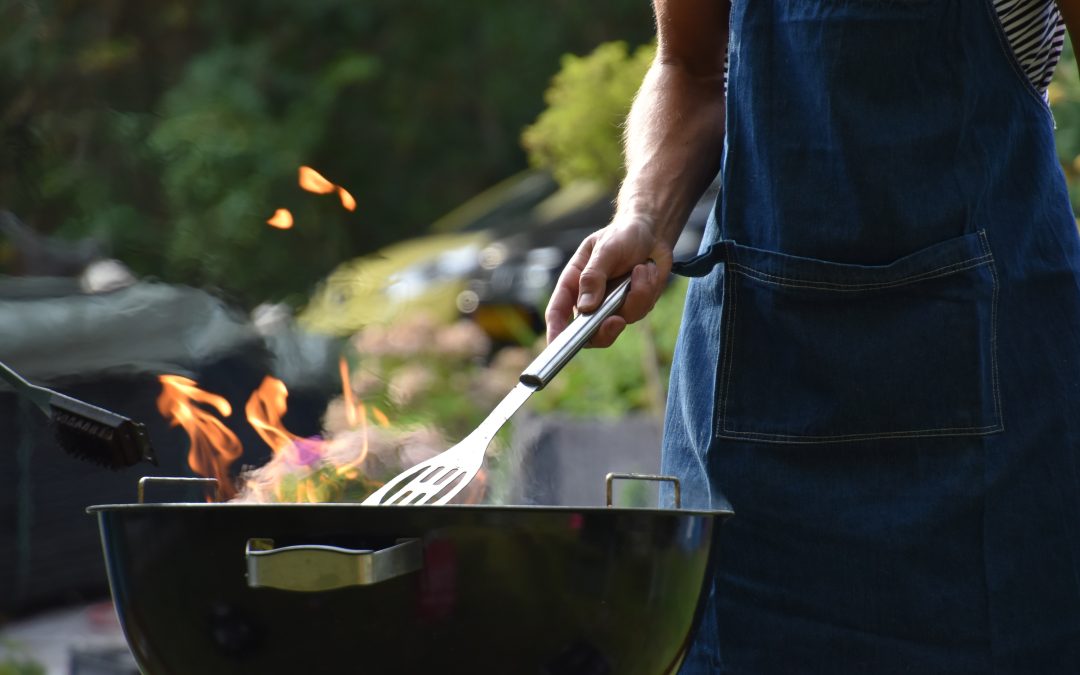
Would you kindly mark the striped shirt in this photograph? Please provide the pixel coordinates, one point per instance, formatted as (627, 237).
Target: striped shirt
(1036, 33)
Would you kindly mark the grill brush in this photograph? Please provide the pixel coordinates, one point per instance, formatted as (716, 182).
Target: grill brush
(86, 431)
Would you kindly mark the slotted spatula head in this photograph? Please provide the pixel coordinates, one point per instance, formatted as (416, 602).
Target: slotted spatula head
(437, 480)
(441, 478)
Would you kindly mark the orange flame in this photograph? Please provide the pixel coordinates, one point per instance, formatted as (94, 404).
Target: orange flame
(264, 411)
(302, 469)
(380, 418)
(349, 468)
(267, 406)
(282, 219)
(347, 392)
(313, 181)
(347, 199)
(214, 447)
(354, 411)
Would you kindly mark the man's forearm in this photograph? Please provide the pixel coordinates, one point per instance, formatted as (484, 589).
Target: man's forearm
(674, 138)
(675, 130)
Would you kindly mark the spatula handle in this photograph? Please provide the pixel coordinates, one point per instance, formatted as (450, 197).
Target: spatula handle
(569, 342)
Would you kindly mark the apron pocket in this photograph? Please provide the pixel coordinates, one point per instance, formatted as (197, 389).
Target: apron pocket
(820, 352)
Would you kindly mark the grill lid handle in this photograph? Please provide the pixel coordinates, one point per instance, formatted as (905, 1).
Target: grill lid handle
(314, 568)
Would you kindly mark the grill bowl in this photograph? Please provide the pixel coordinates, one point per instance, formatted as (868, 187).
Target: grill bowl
(545, 590)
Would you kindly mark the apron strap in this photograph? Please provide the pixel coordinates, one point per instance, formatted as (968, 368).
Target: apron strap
(703, 263)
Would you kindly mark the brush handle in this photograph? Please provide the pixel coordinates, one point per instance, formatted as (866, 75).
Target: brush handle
(60, 403)
(39, 396)
(52, 401)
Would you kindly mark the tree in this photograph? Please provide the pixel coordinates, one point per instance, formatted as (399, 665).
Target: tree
(172, 130)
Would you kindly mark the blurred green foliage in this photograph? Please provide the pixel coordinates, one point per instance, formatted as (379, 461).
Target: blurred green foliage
(21, 667)
(579, 134)
(424, 370)
(578, 138)
(172, 130)
(1064, 95)
(14, 661)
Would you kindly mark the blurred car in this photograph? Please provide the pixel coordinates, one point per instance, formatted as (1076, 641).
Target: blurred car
(494, 259)
(425, 273)
(518, 267)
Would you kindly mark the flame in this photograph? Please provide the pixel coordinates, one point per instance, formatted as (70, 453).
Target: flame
(355, 412)
(313, 181)
(214, 447)
(282, 219)
(347, 199)
(347, 392)
(264, 411)
(350, 467)
(311, 470)
(475, 491)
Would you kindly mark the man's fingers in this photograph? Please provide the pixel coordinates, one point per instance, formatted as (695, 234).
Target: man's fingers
(595, 274)
(559, 310)
(609, 330)
(605, 255)
(564, 298)
(645, 288)
(646, 284)
(593, 284)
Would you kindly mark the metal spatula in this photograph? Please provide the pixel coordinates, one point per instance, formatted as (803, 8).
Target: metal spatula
(439, 479)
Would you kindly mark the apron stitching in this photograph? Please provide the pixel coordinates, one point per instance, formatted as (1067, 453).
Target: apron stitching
(917, 433)
(721, 429)
(733, 291)
(993, 334)
(993, 105)
(765, 277)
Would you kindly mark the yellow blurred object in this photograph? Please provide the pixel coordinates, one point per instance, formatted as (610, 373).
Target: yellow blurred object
(417, 274)
(505, 323)
(1055, 93)
(427, 273)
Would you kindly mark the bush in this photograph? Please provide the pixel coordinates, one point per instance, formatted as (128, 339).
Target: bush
(14, 663)
(1064, 95)
(579, 135)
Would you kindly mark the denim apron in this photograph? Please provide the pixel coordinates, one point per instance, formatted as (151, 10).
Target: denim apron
(878, 368)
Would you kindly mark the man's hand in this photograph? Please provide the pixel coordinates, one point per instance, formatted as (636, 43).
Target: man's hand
(626, 245)
(673, 143)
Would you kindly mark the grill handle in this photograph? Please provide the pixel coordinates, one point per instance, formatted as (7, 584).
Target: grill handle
(170, 480)
(610, 479)
(313, 568)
